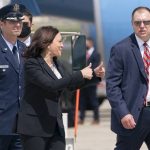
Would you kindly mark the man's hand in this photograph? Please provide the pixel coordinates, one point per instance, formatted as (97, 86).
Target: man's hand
(128, 122)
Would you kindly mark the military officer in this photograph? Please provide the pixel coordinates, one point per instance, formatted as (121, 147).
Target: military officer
(11, 75)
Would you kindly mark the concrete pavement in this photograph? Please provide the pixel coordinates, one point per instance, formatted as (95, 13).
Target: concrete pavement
(96, 137)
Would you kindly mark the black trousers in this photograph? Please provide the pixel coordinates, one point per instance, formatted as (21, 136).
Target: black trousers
(88, 96)
(56, 142)
(140, 135)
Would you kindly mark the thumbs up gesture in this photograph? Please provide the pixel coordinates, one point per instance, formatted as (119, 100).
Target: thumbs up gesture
(87, 72)
(100, 70)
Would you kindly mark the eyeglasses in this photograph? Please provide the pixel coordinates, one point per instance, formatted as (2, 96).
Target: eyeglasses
(138, 23)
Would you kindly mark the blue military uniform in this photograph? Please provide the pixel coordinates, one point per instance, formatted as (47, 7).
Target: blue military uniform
(11, 83)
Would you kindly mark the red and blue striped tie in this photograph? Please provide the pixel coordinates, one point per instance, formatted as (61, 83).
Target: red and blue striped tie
(146, 59)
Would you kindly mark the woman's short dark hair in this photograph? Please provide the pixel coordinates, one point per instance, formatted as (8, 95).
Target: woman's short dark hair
(40, 41)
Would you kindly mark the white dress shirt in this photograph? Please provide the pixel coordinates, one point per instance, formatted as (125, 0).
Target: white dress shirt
(140, 43)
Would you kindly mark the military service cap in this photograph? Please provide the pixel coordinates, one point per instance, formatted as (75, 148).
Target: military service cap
(12, 12)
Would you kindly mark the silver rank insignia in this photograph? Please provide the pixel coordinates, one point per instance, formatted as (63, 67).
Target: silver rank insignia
(16, 7)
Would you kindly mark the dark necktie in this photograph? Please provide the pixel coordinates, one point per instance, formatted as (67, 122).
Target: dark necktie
(15, 54)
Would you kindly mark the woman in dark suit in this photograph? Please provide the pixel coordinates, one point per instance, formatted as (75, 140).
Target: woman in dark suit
(40, 117)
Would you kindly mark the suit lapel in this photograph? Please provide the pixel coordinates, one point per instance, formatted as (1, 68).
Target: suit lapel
(91, 57)
(46, 67)
(138, 56)
(59, 67)
(8, 54)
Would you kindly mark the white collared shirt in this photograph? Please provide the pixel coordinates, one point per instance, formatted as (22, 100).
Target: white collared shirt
(10, 45)
(140, 43)
(27, 42)
(90, 51)
(55, 71)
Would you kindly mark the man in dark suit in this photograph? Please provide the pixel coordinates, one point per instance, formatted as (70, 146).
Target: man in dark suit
(88, 94)
(127, 82)
(25, 35)
(11, 74)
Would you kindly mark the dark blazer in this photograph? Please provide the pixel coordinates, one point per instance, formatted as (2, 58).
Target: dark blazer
(11, 87)
(40, 110)
(95, 60)
(126, 83)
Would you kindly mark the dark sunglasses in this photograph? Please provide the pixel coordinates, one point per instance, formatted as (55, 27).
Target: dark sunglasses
(138, 23)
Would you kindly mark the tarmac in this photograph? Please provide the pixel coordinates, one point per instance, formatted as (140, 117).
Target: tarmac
(95, 137)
